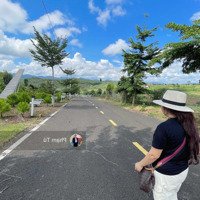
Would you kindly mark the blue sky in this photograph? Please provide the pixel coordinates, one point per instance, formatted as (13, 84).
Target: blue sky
(97, 30)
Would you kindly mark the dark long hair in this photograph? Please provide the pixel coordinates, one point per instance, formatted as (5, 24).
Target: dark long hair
(187, 120)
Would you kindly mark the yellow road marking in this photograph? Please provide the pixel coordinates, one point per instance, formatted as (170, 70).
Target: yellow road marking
(144, 151)
(112, 122)
(102, 112)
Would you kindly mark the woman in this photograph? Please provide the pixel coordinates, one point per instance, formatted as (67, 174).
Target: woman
(168, 136)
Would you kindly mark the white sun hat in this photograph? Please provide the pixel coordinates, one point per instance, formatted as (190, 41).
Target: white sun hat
(174, 100)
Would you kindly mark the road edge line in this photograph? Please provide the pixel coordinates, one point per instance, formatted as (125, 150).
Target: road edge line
(18, 142)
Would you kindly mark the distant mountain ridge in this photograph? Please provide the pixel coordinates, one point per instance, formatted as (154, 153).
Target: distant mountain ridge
(33, 76)
(29, 76)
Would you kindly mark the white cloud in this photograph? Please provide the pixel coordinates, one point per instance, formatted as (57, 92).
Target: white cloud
(67, 32)
(14, 47)
(84, 68)
(75, 42)
(13, 19)
(7, 64)
(118, 11)
(43, 23)
(173, 74)
(113, 9)
(12, 16)
(93, 8)
(103, 17)
(116, 48)
(100, 69)
(93, 70)
(114, 1)
(195, 16)
(118, 62)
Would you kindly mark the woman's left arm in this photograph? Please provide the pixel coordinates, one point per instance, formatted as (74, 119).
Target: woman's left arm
(151, 157)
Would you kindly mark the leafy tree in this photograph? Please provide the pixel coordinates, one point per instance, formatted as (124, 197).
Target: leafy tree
(47, 87)
(13, 99)
(4, 107)
(7, 77)
(2, 85)
(187, 50)
(71, 86)
(136, 61)
(26, 82)
(110, 88)
(23, 107)
(49, 52)
(32, 87)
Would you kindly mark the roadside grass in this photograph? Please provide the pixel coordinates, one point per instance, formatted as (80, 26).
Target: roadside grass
(12, 123)
(153, 110)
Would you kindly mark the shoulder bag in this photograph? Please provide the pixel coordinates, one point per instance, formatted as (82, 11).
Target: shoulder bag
(147, 179)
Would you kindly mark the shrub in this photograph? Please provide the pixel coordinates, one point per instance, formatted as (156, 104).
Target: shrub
(92, 92)
(58, 97)
(41, 95)
(13, 100)
(99, 92)
(110, 88)
(24, 97)
(23, 107)
(47, 99)
(158, 94)
(4, 107)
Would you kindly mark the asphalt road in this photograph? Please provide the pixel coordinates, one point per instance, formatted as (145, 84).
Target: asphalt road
(100, 169)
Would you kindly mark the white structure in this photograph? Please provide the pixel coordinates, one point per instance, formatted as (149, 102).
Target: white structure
(35, 102)
(12, 85)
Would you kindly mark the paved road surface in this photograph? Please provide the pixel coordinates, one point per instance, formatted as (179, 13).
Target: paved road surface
(101, 169)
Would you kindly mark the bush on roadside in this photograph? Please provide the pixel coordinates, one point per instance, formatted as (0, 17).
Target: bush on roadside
(41, 95)
(4, 107)
(23, 107)
(99, 92)
(92, 92)
(24, 97)
(13, 99)
(58, 97)
(47, 99)
(158, 94)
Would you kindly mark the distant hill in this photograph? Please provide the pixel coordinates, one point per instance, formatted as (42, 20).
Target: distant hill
(28, 76)
(85, 84)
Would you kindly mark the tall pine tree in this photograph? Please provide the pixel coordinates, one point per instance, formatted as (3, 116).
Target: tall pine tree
(136, 61)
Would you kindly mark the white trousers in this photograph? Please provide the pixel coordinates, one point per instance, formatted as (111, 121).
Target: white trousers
(166, 187)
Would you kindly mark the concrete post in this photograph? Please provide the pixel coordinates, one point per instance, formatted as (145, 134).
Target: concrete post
(32, 107)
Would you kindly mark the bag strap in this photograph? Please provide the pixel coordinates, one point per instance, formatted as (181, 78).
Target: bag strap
(168, 158)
